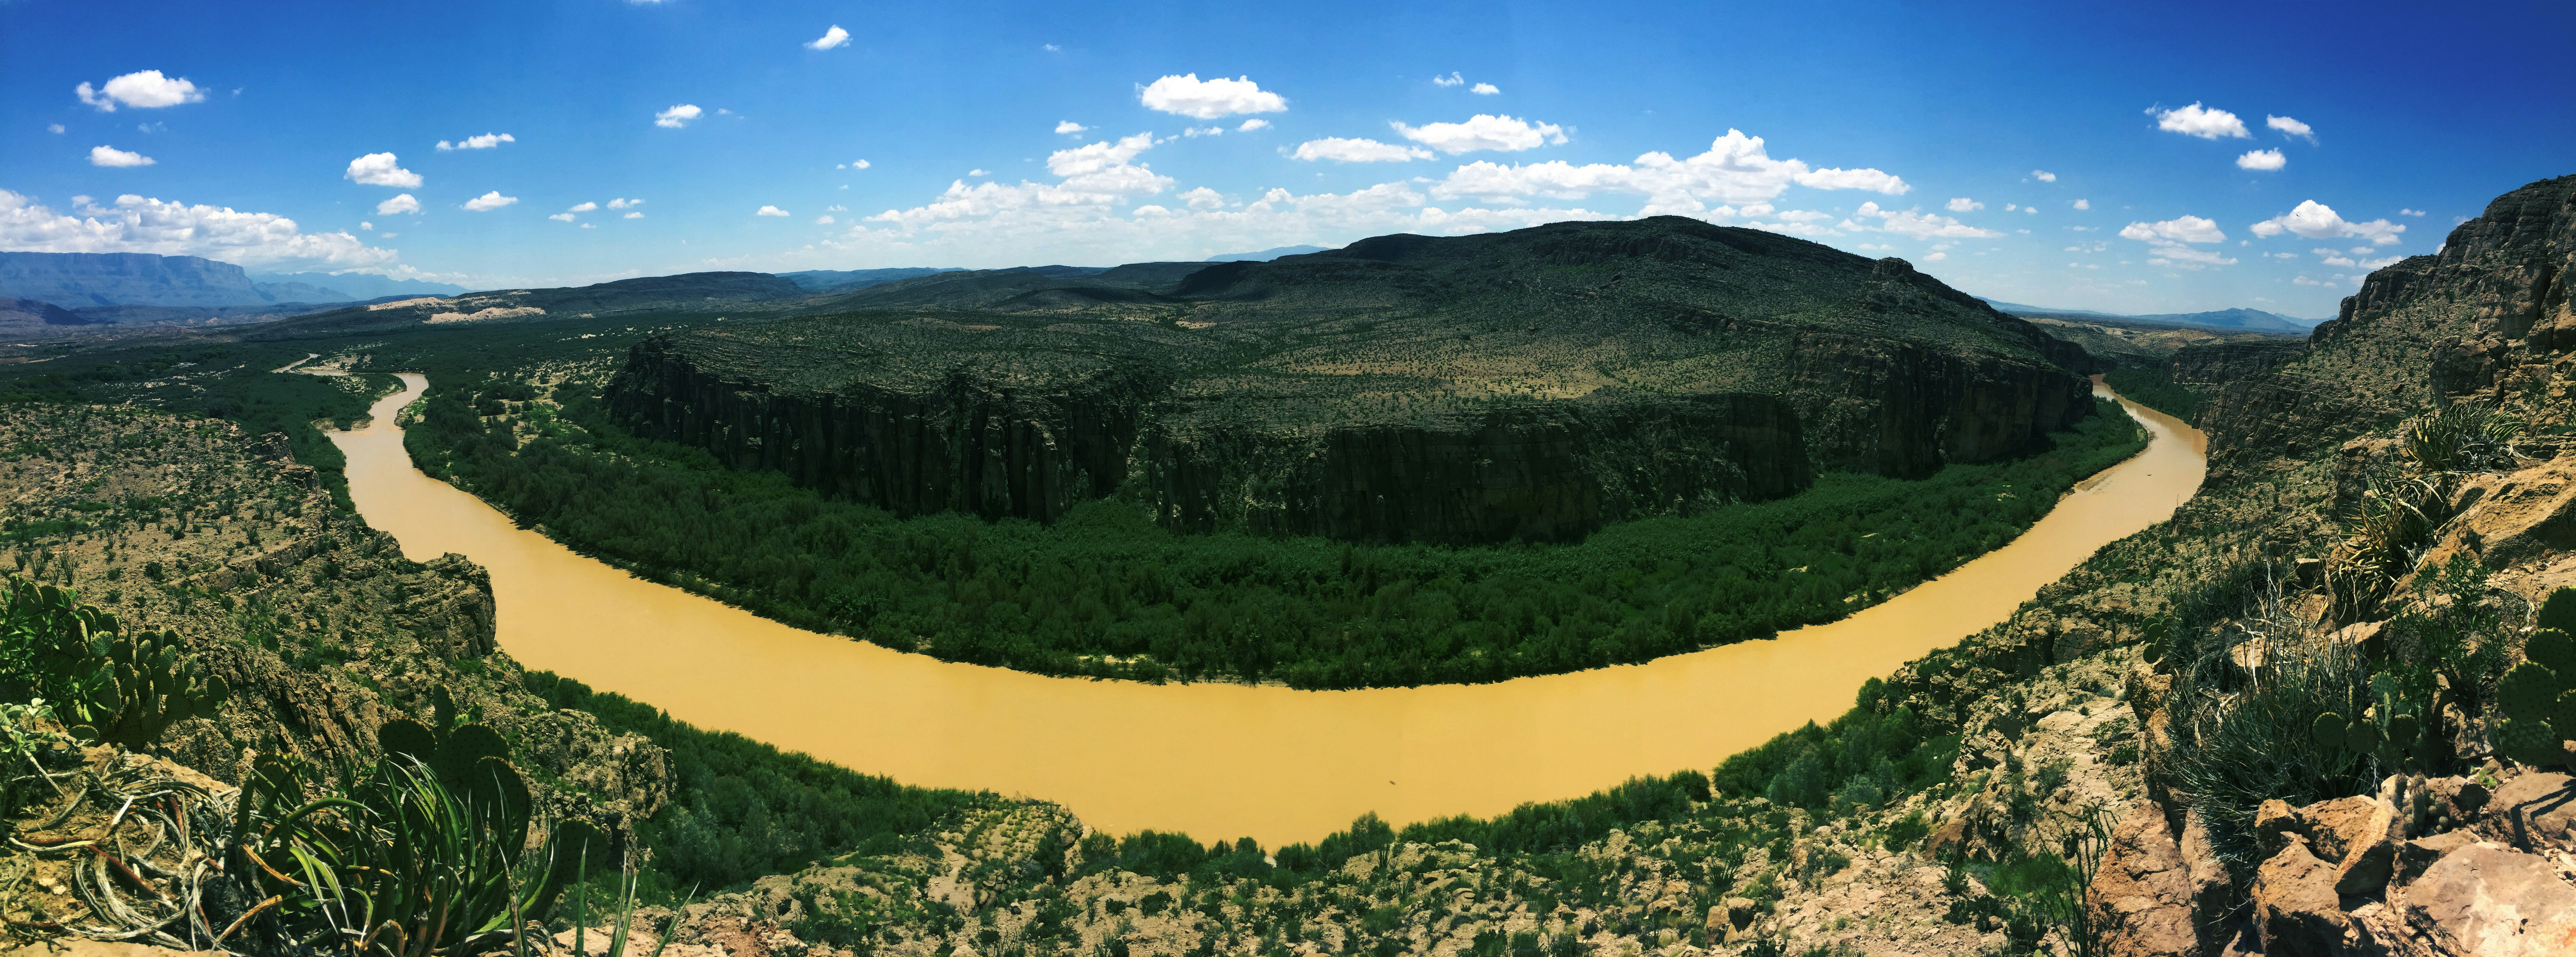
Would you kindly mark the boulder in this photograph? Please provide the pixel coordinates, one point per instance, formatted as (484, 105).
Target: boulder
(2418, 855)
(2493, 901)
(2296, 910)
(2274, 823)
(2140, 900)
(2534, 812)
(2334, 827)
(2213, 889)
(2370, 851)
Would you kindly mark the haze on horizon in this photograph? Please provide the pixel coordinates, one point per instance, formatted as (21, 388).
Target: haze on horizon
(2164, 158)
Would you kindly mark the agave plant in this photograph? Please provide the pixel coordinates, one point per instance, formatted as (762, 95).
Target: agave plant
(2461, 437)
(2394, 519)
(394, 862)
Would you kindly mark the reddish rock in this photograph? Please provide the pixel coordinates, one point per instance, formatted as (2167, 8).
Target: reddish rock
(2213, 889)
(2272, 820)
(2415, 856)
(2534, 812)
(2370, 851)
(2296, 910)
(2334, 827)
(2493, 901)
(2141, 898)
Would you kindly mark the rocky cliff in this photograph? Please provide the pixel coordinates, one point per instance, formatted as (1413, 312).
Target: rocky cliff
(1531, 385)
(75, 280)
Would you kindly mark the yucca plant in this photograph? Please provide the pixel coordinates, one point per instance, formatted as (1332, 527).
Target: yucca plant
(2394, 519)
(2461, 437)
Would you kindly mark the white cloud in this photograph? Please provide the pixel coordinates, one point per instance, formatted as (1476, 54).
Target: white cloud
(54, 128)
(2382, 262)
(1453, 79)
(1051, 48)
(2291, 127)
(381, 169)
(770, 211)
(2009, 207)
(979, 172)
(364, 226)
(489, 202)
(144, 90)
(483, 142)
(590, 225)
(402, 203)
(566, 217)
(583, 208)
(1195, 132)
(134, 224)
(2185, 257)
(2315, 220)
(677, 116)
(1735, 170)
(1936, 257)
(1250, 125)
(622, 203)
(2030, 210)
(1917, 224)
(2043, 176)
(111, 156)
(1203, 198)
(836, 208)
(1342, 150)
(2204, 123)
(1070, 127)
(830, 38)
(1483, 131)
(2337, 259)
(635, 215)
(1965, 205)
(853, 164)
(2181, 229)
(2084, 204)
(2262, 159)
(2401, 212)
(823, 220)
(1868, 179)
(1484, 89)
(1189, 96)
(1106, 168)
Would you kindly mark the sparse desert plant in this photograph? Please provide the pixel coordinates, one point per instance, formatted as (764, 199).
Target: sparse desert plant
(109, 685)
(2538, 697)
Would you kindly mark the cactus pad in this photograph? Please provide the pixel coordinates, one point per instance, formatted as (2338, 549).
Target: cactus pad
(2529, 691)
(2330, 731)
(2554, 648)
(2559, 611)
(2529, 742)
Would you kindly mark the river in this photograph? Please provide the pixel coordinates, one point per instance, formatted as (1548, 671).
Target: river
(1220, 760)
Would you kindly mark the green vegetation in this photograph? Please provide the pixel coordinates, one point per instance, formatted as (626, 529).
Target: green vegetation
(743, 809)
(228, 381)
(104, 683)
(2155, 388)
(1107, 593)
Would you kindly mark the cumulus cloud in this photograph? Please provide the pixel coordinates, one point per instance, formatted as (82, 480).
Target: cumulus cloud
(489, 202)
(622, 203)
(566, 217)
(1736, 170)
(677, 116)
(583, 208)
(403, 203)
(823, 220)
(2182, 229)
(147, 89)
(830, 38)
(1341, 150)
(2043, 176)
(635, 215)
(1203, 198)
(381, 169)
(1250, 125)
(853, 164)
(1483, 132)
(2204, 123)
(2262, 159)
(483, 142)
(1070, 127)
(770, 211)
(1195, 132)
(1189, 96)
(54, 128)
(1965, 205)
(111, 156)
(1920, 225)
(2410, 212)
(2084, 204)
(134, 224)
(2291, 127)
(1484, 89)
(2315, 220)
(1453, 79)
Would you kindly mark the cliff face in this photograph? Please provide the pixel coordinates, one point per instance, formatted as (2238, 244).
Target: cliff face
(964, 443)
(1527, 385)
(1537, 473)
(2217, 364)
(2485, 317)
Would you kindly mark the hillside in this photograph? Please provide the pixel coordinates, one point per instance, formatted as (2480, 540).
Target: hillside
(1534, 384)
(2250, 320)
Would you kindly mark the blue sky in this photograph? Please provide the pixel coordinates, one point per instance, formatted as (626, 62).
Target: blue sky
(1913, 130)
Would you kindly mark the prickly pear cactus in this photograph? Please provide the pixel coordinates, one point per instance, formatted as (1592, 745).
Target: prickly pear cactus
(2536, 697)
(147, 688)
(2393, 729)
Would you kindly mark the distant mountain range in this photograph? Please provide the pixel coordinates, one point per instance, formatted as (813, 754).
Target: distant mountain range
(91, 281)
(353, 286)
(2251, 320)
(845, 280)
(1266, 255)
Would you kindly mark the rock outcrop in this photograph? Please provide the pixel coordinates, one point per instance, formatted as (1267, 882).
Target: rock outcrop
(1527, 385)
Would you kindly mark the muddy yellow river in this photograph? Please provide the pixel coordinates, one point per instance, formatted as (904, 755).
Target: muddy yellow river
(1219, 760)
